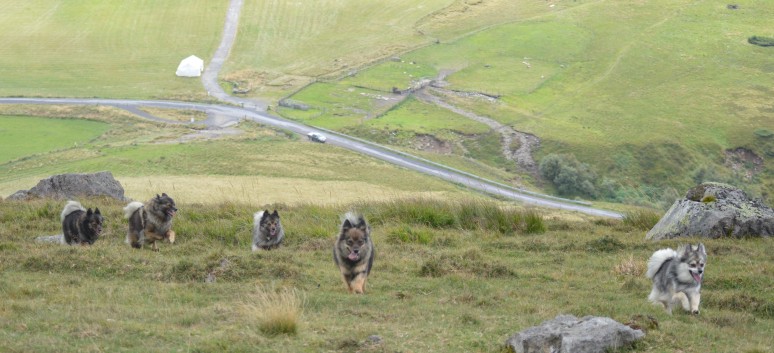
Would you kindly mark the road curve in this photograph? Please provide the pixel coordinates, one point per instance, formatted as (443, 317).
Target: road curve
(401, 159)
(256, 111)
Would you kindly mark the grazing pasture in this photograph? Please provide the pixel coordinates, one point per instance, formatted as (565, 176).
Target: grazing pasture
(458, 275)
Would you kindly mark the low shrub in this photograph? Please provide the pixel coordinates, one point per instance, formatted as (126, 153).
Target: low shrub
(761, 41)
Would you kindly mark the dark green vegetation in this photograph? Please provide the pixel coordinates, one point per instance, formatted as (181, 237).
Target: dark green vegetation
(448, 276)
(761, 41)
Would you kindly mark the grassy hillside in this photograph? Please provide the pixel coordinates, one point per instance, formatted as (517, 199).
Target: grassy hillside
(441, 282)
(49, 135)
(258, 166)
(117, 49)
(655, 95)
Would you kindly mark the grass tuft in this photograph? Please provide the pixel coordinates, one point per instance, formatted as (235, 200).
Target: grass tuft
(641, 219)
(604, 244)
(278, 311)
(629, 267)
(406, 234)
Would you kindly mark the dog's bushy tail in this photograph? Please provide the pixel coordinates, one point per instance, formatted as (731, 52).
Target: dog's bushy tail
(352, 217)
(131, 207)
(257, 218)
(658, 259)
(71, 207)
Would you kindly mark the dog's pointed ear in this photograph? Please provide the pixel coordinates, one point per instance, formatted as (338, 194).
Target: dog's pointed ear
(96, 211)
(687, 251)
(88, 212)
(702, 250)
(275, 214)
(164, 194)
(346, 225)
(158, 197)
(361, 223)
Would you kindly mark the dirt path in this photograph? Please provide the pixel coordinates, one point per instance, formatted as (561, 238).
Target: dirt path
(527, 143)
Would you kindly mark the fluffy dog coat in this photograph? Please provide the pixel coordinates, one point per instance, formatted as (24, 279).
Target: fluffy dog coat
(677, 277)
(353, 252)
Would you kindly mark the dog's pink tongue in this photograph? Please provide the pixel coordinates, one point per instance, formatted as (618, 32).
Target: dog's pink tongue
(696, 277)
(354, 257)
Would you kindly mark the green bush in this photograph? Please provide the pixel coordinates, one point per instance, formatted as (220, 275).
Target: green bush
(569, 176)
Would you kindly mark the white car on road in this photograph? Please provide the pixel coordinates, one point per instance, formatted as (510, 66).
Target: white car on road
(316, 137)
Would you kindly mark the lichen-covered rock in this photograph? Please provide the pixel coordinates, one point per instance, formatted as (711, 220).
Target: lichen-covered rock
(714, 210)
(73, 186)
(566, 333)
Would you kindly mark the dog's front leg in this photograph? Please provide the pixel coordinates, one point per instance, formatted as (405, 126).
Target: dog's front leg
(695, 298)
(345, 279)
(359, 282)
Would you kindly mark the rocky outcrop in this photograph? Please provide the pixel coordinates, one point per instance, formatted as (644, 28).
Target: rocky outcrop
(73, 186)
(714, 210)
(566, 333)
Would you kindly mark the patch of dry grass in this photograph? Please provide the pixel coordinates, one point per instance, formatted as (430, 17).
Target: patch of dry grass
(277, 311)
(630, 266)
(261, 190)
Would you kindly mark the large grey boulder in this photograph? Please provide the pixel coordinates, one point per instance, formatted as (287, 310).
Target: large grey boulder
(73, 186)
(714, 210)
(567, 333)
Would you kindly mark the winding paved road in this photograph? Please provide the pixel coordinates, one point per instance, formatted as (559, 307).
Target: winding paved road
(255, 111)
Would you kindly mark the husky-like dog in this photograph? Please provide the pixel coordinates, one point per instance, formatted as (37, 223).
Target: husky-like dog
(677, 277)
(267, 230)
(79, 226)
(353, 252)
(150, 222)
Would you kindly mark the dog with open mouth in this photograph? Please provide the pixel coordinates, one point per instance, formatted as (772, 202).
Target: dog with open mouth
(150, 222)
(353, 252)
(677, 277)
(267, 230)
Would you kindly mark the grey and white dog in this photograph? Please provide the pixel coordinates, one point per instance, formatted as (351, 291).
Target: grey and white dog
(267, 230)
(677, 277)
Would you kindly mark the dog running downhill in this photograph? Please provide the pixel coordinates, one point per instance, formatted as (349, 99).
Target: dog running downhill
(267, 230)
(677, 277)
(353, 252)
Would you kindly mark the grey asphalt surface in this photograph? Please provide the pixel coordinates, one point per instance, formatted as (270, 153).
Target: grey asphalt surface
(247, 109)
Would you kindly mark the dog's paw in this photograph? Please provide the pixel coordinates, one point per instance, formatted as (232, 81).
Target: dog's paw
(695, 312)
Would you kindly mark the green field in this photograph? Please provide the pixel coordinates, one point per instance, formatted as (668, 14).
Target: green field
(447, 277)
(650, 94)
(259, 166)
(27, 136)
(111, 49)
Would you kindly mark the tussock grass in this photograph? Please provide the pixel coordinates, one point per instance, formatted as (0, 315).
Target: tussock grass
(277, 311)
(468, 214)
(641, 219)
(209, 291)
(630, 267)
